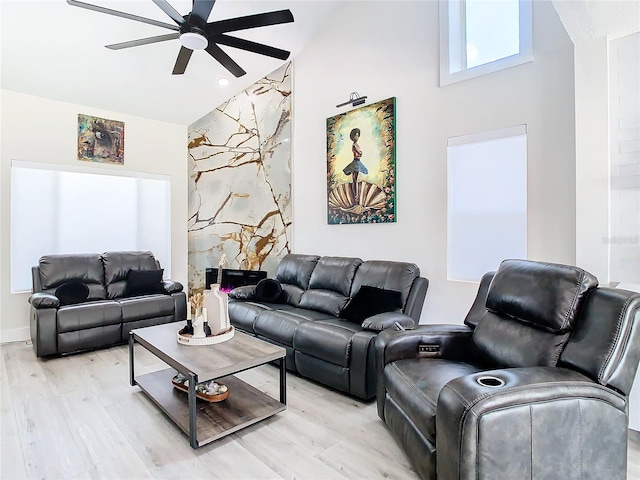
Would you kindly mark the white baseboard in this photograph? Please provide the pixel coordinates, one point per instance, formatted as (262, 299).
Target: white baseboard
(14, 335)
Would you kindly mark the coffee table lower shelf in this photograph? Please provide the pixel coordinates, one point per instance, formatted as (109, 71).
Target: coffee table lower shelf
(245, 405)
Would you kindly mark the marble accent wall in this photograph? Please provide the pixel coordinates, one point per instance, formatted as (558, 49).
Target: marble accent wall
(240, 180)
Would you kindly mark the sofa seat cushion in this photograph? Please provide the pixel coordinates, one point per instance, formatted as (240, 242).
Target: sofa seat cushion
(243, 314)
(311, 315)
(414, 385)
(82, 316)
(146, 322)
(148, 306)
(89, 338)
(326, 340)
(281, 325)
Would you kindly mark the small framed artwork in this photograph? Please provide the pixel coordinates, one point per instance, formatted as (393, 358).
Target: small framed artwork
(361, 165)
(100, 140)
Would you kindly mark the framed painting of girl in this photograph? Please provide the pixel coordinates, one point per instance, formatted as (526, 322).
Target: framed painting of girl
(361, 165)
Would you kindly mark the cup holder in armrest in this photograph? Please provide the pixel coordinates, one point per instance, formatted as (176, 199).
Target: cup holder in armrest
(491, 382)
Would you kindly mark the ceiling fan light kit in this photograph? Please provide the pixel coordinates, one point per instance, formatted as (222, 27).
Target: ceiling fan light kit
(195, 33)
(194, 41)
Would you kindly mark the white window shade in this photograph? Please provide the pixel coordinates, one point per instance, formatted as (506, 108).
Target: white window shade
(487, 201)
(56, 209)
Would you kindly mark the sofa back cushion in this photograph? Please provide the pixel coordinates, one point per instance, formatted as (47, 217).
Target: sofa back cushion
(398, 276)
(606, 342)
(294, 273)
(478, 307)
(83, 267)
(117, 266)
(546, 295)
(329, 285)
(530, 312)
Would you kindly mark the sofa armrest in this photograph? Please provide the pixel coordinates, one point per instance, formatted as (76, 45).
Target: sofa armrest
(450, 341)
(172, 287)
(43, 326)
(415, 302)
(382, 321)
(523, 414)
(44, 300)
(243, 293)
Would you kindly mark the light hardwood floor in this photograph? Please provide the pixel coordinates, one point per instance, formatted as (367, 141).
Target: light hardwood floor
(77, 417)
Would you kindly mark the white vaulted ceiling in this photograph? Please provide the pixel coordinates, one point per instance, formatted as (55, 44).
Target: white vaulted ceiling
(51, 49)
(588, 19)
(54, 50)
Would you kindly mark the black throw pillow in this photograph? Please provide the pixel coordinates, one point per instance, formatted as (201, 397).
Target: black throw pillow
(370, 301)
(70, 293)
(144, 282)
(268, 290)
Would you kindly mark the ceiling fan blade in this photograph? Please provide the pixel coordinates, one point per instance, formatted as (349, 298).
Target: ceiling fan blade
(250, 46)
(250, 21)
(202, 9)
(181, 62)
(169, 10)
(225, 60)
(143, 41)
(117, 13)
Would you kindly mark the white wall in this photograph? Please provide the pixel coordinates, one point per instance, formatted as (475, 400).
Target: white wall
(45, 131)
(592, 148)
(592, 171)
(385, 49)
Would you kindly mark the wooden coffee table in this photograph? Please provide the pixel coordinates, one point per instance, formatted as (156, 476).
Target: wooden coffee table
(205, 422)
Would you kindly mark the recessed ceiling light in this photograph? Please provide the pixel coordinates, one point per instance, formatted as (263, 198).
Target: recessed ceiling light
(223, 82)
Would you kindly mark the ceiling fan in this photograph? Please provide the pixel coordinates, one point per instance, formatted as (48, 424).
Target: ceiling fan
(195, 33)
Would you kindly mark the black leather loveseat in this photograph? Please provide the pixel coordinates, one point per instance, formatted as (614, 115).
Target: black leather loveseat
(534, 385)
(306, 317)
(92, 300)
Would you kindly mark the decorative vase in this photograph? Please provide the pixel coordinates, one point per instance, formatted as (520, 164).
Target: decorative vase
(217, 305)
(198, 324)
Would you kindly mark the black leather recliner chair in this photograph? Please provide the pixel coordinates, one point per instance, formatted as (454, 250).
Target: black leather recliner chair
(534, 385)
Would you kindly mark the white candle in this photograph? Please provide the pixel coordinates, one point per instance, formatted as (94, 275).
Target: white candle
(204, 315)
(188, 311)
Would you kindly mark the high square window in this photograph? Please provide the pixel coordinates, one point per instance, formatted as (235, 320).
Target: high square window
(483, 36)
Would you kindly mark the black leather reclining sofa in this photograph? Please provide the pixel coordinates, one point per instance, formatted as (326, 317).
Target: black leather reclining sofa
(109, 308)
(306, 318)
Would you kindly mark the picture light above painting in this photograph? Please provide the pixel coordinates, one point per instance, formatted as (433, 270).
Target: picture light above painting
(361, 165)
